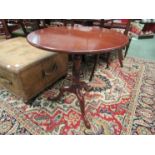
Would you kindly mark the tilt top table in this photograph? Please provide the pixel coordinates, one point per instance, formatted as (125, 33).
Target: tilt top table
(77, 41)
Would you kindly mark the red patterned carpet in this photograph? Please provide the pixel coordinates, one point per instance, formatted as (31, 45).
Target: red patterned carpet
(122, 102)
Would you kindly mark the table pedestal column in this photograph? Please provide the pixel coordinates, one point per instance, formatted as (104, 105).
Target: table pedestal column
(76, 87)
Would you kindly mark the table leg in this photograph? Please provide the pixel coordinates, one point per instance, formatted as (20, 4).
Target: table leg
(82, 107)
(76, 87)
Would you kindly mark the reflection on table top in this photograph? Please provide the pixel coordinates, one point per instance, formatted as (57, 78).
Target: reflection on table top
(80, 39)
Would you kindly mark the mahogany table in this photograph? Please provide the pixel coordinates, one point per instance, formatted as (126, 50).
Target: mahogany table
(77, 41)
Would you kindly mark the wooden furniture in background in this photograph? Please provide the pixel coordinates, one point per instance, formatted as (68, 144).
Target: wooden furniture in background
(111, 25)
(126, 27)
(5, 29)
(9, 26)
(87, 22)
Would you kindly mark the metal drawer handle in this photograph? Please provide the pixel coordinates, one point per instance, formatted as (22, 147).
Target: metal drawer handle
(53, 69)
(5, 81)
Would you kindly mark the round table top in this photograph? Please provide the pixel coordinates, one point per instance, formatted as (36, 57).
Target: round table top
(78, 40)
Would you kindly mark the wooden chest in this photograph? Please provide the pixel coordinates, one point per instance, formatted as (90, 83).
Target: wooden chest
(26, 70)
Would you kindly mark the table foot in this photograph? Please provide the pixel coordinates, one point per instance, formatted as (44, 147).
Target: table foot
(55, 98)
(86, 122)
(62, 90)
(76, 89)
(85, 86)
(82, 107)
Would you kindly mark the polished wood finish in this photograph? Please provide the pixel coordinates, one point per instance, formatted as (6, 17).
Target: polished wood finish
(77, 41)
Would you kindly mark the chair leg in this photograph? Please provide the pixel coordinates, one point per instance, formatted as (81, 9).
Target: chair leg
(108, 59)
(84, 59)
(23, 27)
(127, 47)
(94, 67)
(85, 64)
(120, 57)
(6, 29)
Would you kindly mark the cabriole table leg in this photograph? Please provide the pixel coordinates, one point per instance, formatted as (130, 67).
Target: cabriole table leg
(76, 87)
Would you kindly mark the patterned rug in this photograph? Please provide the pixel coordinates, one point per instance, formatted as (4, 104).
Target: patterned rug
(122, 101)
